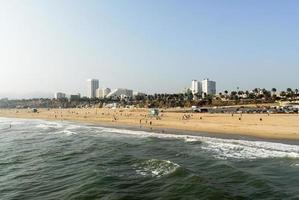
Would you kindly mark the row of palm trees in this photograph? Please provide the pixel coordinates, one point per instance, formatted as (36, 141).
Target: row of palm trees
(186, 99)
(261, 94)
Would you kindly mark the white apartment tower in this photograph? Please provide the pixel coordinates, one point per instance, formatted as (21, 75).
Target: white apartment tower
(196, 87)
(92, 86)
(103, 92)
(59, 95)
(208, 87)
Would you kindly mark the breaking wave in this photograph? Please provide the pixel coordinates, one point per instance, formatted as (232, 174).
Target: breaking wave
(217, 147)
(89, 162)
(227, 148)
(156, 168)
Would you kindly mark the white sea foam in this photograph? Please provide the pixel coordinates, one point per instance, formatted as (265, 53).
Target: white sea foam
(218, 148)
(294, 165)
(227, 148)
(68, 132)
(156, 168)
(48, 125)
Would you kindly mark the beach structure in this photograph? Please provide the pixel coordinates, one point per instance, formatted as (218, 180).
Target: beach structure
(110, 105)
(102, 92)
(208, 87)
(120, 93)
(59, 95)
(154, 112)
(92, 86)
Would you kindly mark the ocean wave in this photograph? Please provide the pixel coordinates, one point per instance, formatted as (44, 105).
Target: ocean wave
(241, 149)
(68, 132)
(227, 148)
(217, 147)
(156, 168)
(48, 125)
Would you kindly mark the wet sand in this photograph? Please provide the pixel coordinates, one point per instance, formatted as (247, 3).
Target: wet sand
(274, 126)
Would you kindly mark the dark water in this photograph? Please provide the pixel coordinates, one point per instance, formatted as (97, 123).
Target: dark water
(42, 160)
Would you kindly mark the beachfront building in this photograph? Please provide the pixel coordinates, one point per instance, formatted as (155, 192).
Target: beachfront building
(92, 86)
(136, 93)
(59, 95)
(103, 92)
(120, 93)
(75, 97)
(196, 87)
(208, 87)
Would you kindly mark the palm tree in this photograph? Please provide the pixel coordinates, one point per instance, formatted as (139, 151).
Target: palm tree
(247, 92)
(283, 93)
(289, 90)
(240, 93)
(290, 93)
(274, 91)
(296, 93)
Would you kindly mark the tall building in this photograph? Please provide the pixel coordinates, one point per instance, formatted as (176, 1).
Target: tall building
(196, 87)
(208, 87)
(59, 95)
(103, 92)
(92, 86)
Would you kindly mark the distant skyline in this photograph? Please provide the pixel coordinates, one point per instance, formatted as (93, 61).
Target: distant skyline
(146, 45)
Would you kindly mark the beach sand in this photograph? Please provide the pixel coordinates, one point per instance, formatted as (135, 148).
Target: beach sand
(274, 126)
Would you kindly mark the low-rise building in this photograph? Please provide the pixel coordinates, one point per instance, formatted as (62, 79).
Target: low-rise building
(117, 93)
(75, 97)
(136, 93)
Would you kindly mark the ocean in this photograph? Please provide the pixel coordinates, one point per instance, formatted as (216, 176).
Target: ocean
(46, 160)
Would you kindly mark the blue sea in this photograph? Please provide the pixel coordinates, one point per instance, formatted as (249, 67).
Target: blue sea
(46, 160)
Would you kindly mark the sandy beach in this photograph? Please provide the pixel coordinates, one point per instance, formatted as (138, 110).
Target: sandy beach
(275, 126)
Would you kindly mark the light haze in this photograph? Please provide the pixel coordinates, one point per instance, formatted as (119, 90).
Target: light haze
(150, 46)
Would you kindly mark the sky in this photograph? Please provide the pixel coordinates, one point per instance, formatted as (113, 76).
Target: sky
(150, 46)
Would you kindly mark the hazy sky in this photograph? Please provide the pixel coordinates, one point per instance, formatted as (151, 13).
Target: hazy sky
(147, 45)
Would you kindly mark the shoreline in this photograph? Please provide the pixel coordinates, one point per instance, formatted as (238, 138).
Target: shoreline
(169, 130)
(172, 131)
(194, 133)
(274, 127)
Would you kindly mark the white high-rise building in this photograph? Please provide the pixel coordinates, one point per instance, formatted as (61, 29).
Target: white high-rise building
(208, 87)
(92, 86)
(103, 92)
(196, 87)
(59, 95)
